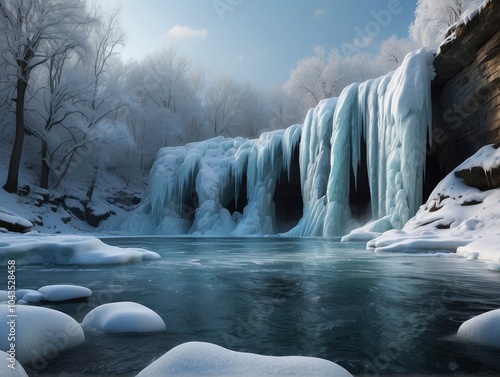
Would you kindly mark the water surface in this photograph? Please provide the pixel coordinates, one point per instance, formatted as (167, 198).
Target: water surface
(387, 315)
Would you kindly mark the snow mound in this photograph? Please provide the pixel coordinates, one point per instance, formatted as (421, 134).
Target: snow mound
(32, 297)
(124, 317)
(483, 329)
(40, 333)
(205, 359)
(35, 248)
(62, 292)
(15, 371)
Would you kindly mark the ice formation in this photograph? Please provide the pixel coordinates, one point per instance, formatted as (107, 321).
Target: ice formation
(205, 359)
(389, 118)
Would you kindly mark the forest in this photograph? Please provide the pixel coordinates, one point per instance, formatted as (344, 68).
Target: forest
(72, 108)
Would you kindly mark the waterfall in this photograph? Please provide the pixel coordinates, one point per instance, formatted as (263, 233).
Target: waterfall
(383, 124)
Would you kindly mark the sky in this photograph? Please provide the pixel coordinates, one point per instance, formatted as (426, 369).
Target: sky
(260, 41)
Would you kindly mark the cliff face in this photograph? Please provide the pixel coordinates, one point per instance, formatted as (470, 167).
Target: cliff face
(466, 93)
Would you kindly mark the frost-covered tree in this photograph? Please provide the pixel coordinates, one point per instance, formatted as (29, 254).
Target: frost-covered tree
(393, 51)
(225, 99)
(60, 89)
(318, 77)
(34, 31)
(284, 110)
(434, 17)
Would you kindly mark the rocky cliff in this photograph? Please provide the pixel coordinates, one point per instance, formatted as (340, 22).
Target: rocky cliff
(466, 93)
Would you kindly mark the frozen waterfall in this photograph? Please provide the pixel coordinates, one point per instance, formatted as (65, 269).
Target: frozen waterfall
(222, 187)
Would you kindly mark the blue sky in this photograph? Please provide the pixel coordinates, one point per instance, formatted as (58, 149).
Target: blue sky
(260, 41)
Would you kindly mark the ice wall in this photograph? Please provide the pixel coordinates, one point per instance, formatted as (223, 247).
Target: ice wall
(389, 117)
(191, 187)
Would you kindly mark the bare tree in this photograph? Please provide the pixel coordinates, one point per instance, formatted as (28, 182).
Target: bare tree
(34, 32)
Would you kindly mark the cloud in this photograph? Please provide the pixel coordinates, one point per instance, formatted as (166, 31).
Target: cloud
(185, 32)
(240, 57)
(318, 13)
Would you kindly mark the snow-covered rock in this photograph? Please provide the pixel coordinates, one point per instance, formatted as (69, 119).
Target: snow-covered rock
(456, 215)
(205, 359)
(483, 329)
(124, 317)
(40, 333)
(9, 367)
(67, 250)
(64, 292)
(13, 222)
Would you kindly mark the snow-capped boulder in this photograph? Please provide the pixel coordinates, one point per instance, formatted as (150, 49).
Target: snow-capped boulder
(205, 359)
(483, 329)
(64, 292)
(124, 317)
(10, 367)
(13, 222)
(40, 333)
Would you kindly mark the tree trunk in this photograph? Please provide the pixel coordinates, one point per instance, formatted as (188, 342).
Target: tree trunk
(17, 149)
(44, 180)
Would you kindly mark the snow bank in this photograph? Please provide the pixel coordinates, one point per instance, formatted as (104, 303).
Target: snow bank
(123, 317)
(6, 371)
(483, 329)
(487, 249)
(40, 333)
(204, 359)
(34, 248)
(454, 216)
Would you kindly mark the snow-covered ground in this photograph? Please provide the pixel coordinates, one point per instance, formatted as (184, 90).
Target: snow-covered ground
(57, 210)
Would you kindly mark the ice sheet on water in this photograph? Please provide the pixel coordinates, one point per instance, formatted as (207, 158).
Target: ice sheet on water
(36, 248)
